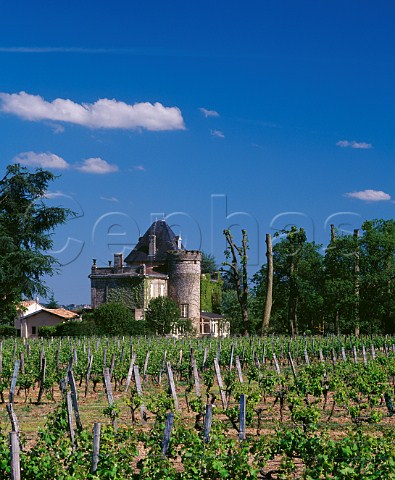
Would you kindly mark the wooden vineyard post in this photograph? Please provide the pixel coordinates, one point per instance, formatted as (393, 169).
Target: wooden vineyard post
(306, 357)
(208, 419)
(130, 372)
(292, 366)
(167, 432)
(110, 398)
(204, 358)
(365, 360)
(242, 417)
(232, 349)
(196, 377)
(162, 367)
(277, 366)
(42, 355)
(15, 459)
(112, 364)
(13, 381)
(13, 418)
(139, 392)
(22, 360)
(88, 373)
(172, 385)
(42, 379)
(333, 356)
(96, 447)
(57, 356)
(179, 363)
(70, 418)
(145, 366)
(373, 352)
(74, 399)
(354, 351)
(343, 354)
(238, 368)
(321, 356)
(220, 383)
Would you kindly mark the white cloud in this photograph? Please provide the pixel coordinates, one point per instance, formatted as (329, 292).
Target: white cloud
(354, 144)
(43, 160)
(109, 199)
(96, 165)
(139, 168)
(57, 194)
(209, 113)
(370, 195)
(217, 133)
(104, 113)
(56, 127)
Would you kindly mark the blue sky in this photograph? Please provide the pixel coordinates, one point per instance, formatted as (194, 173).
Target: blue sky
(255, 115)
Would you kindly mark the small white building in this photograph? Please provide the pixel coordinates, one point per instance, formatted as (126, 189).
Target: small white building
(32, 316)
(213, 325)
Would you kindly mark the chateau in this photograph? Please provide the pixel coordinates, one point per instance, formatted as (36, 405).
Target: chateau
(159, 265)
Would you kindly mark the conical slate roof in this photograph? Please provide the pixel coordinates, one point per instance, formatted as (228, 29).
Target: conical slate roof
(165, 240)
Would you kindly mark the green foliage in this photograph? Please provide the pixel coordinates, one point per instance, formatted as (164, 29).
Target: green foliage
(237, 262)
(52, 302)
(7, 331)
(26, 225)
(208, 264)
(71, 328)
(305, 445)
(210, 293)
(349, 288)
(112, 319)
(138, 327)
(128, 290)
(231, 311)
(47, 332)
(162, 315)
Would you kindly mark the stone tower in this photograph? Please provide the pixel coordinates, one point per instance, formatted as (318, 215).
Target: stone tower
(184, 282)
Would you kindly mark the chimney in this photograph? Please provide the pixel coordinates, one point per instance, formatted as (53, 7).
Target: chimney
(118, 261)
(152, 245)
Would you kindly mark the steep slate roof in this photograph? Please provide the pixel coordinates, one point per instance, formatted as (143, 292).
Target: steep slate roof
(165, 240)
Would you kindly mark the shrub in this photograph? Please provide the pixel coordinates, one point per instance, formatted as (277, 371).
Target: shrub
(112, 318)
(7, 331)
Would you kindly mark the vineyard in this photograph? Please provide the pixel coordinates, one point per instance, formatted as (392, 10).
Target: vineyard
(161, 408)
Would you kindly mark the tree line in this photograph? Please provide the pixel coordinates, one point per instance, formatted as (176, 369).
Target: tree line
(348, 287)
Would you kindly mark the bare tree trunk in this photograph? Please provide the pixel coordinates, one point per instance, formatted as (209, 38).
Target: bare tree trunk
(292, 301)
(240, 278)
(269, 289)
(356, 284)
(333, 233)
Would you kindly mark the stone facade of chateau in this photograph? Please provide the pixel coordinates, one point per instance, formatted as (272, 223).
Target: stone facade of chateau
(159, 265)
